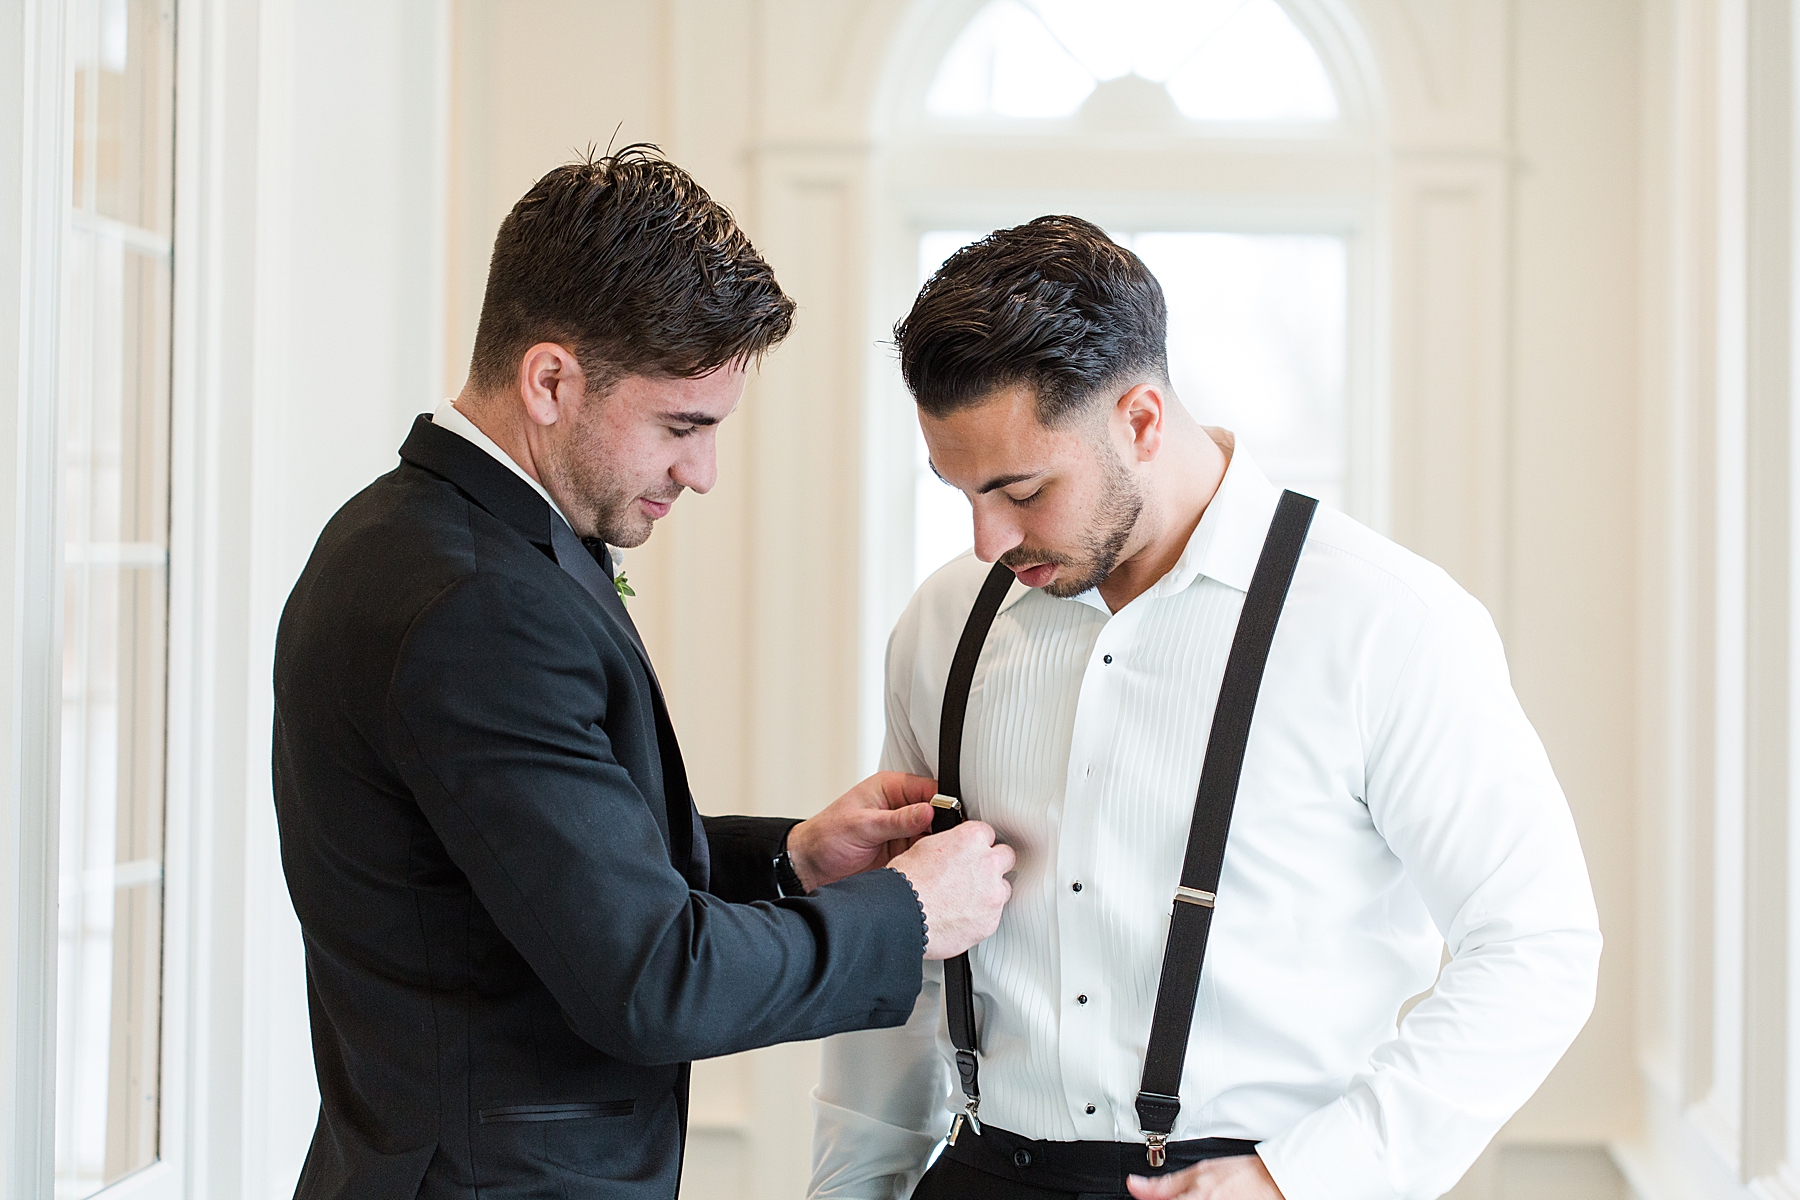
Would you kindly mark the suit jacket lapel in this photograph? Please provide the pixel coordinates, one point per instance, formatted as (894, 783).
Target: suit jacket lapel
(685, 830)
(496, 489)
(675, 781)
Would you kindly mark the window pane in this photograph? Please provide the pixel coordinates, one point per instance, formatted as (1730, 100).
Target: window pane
(942, 528)
(1256, 345)
(1007, 63)
(1259, 67)
(113, 443)
(1220, 60)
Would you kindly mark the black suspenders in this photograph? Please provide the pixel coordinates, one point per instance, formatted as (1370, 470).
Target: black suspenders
(1158, 1099)
(959, 990)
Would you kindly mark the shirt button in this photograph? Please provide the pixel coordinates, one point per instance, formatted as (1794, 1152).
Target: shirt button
(1107, 659)
(1076, 886)
(1081, 999)
(1090, 1110)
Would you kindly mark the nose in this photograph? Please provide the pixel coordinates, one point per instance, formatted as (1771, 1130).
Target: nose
(698, 469)
(994, 534)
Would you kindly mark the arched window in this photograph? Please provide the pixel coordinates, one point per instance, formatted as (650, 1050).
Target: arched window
(1202, 60)
(1227, 142)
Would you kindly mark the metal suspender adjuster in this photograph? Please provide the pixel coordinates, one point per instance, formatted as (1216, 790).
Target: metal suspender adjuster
(950, 802)
(1156, 1117)
(1188, 895)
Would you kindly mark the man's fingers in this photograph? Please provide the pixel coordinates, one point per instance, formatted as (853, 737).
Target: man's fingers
(898, 823)
(978, 830)
(1159, 1187)
(1007, 855)
(900, 790)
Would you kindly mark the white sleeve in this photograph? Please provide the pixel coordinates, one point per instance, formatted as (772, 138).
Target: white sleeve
(880, 1104)
(1460, 787)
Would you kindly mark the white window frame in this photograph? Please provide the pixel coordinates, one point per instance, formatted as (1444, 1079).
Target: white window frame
(164, 1179)
(216, 129)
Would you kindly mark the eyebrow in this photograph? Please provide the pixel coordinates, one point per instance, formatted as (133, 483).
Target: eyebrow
(999, 481)
(691, 418)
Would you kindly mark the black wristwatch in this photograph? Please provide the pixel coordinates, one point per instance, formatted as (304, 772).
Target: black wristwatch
(787, 880)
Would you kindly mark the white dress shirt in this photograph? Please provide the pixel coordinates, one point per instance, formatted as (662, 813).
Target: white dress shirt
(1394, 799)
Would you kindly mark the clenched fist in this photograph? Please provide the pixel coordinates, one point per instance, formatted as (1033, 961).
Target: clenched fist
(960, 876)
(861, 829)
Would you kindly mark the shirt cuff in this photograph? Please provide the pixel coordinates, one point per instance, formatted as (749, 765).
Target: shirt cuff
(1327, 1156)
(856, 1157)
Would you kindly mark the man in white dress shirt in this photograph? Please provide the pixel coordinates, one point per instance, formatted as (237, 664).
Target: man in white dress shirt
(1394, 799)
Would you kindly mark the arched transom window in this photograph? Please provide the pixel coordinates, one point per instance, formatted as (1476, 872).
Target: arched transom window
(1204, 60)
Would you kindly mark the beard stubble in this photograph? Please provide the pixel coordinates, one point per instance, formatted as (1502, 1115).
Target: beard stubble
(1115, 516)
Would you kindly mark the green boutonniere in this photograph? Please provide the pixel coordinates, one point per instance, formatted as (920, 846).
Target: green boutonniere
(624, 588)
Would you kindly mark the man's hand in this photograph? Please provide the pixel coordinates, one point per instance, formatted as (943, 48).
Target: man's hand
(862, 829)
(960, 878)
(1242, 1177)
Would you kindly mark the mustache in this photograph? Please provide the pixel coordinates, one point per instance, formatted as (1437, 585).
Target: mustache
(1024, 556)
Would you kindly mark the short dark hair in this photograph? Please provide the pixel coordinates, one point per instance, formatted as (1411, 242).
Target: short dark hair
(1054, 304)
(629, 263)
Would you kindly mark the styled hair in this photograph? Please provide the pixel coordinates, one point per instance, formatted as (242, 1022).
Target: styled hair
(627, 262)
(1053, 304)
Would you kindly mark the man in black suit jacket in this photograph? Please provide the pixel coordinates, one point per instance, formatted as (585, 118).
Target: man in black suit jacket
(519, 931)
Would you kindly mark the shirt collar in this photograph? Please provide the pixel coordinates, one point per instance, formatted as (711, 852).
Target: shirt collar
(456, 421)
(1229, 539)
(1225, 545)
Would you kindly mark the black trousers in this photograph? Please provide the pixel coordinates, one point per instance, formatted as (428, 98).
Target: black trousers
(997, 1165)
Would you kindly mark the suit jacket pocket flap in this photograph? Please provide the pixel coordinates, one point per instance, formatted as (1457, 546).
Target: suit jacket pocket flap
(557, 1112)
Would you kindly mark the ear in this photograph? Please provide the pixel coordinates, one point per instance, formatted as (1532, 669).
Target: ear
(1139, 414)
(550, 381)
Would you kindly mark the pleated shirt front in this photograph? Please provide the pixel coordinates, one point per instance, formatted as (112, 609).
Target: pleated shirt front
(1394, 798)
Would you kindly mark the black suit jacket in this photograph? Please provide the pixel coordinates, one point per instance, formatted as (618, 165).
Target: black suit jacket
(514, 941)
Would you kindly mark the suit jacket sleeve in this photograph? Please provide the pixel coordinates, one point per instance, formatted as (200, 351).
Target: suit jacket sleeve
(743, 855)
(496, 721)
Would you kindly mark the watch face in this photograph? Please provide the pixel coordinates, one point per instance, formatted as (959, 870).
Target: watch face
(787, 880)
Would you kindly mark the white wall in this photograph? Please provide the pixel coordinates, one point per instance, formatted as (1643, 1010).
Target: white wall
(1571, 440)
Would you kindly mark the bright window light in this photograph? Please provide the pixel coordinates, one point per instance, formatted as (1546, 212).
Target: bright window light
(942, 527)
(1219, 60)
(1256, 345)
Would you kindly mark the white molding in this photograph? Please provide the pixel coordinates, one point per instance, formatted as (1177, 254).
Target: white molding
(32, 112)
(1450, 369)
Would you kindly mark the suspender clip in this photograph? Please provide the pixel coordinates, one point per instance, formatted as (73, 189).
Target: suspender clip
(1188, 895)
(950, 802)
(969, 1116)
(1158, 1155)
